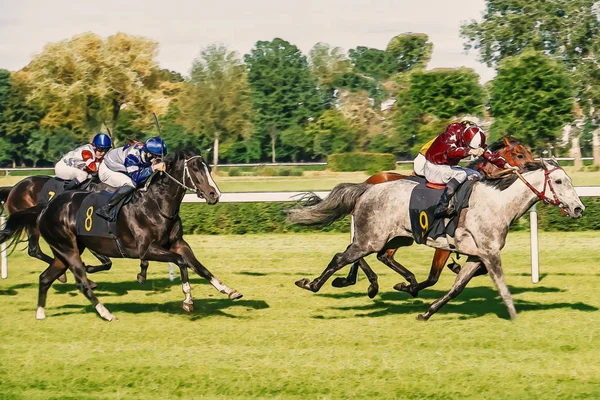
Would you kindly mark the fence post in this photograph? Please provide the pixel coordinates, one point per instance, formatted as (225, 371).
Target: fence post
(533, 228)
(3, 258)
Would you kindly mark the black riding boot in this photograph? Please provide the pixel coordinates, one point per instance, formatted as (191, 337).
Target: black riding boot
(108, 211)
(443, 208)
(74, 184)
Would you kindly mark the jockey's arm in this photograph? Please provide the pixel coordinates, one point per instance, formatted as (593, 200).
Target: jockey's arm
(138, 175)
(457, 152)
(90, 161)
(495, 159)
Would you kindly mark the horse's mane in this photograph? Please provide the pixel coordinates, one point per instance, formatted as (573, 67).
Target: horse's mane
(505, 182)
(494, 147)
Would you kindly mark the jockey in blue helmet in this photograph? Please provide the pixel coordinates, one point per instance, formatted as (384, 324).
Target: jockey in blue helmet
(78, 164)
(128, 168)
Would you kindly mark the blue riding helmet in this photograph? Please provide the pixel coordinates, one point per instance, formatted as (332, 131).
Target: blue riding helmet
(155, 146)
(102, 141)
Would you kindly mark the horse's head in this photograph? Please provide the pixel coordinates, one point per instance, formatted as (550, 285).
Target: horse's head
(515, 153)
(558, 190)
(193, 173)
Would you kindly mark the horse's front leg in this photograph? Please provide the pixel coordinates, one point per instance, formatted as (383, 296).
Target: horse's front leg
(141, 277)
(156, 253)
(494, 268)
(463, 277)
(437, 265)
(182, 248)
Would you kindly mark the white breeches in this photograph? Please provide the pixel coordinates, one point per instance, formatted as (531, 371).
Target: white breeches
(63, 171)
(419, 165)
(114, 178)
(442, 174)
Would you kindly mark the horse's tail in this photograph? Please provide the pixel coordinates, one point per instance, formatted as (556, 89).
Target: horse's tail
(339, 203)
(17, 222)
(4, 192)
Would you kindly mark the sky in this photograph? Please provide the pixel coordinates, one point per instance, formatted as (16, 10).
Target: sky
(183, 27)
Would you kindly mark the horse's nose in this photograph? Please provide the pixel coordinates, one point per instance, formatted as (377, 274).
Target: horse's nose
(578, 212)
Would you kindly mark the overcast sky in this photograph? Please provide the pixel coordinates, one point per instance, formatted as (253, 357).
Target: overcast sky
(183, 27)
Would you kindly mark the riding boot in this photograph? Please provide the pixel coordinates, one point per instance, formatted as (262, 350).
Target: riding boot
(72, 185)
(443, 208)
(108, 211)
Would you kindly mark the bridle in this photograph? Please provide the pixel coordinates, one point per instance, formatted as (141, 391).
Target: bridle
(186, 175)
(547, 183)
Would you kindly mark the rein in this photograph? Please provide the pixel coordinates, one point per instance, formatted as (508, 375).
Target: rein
(547, 182)
(186, 175)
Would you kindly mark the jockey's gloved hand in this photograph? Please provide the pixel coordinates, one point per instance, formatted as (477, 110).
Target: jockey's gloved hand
(159, 167)
(476, 152)
(511, 167)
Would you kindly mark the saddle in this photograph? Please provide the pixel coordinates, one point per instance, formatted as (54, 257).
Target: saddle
(56, 186)
(88, 223)
(423, 201)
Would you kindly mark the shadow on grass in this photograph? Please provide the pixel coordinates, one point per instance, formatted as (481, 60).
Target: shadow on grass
(151, 286)
(471, 303)
(203, 308)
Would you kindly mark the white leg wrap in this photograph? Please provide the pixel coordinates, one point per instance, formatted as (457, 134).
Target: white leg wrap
(187, 290)
(103, 312)
(40, 313)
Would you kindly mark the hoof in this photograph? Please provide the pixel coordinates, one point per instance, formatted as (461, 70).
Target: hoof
(187, 307)
(401, 287)
(421, 317)
(304, 283)
(235, 295)
(342, 282)
(372, 291)
(141, 279)
(62, 278)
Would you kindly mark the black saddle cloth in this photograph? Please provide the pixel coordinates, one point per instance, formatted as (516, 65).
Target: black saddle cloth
(423, 202)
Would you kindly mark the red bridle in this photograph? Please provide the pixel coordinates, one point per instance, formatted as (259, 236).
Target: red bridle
(547, 182)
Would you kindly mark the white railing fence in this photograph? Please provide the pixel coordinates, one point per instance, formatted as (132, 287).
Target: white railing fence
(256, 197)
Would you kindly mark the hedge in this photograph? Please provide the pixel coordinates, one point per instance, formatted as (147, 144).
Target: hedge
(241, 218)
(369, 162)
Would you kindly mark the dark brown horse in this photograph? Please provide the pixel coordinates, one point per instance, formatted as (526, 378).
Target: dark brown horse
(149, 228)
(25, 194)
(509, 148)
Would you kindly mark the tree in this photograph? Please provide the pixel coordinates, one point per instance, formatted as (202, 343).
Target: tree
(447, 93)
(85, 80)
(531, 97)
(374, 63)
(410, 50)
(327, 63)
(284, 93)
(215, 101)
(332, 133)
(563, 29)
(18, 119)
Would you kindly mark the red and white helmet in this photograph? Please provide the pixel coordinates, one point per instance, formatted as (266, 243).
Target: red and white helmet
(474, 137)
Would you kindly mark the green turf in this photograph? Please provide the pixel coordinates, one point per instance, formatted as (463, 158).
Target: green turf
(280, 341)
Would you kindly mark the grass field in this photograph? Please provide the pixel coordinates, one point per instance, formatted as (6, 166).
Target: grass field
(282, 342)
(319, 180)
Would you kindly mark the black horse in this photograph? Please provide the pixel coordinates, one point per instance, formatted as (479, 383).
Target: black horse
(149, 229)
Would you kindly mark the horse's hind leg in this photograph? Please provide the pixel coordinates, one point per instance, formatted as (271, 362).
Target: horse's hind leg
(371, 276)
(351, 255)
(34, 250)
(349, 280)
(105, 261)
(463, 277)
(54, 270)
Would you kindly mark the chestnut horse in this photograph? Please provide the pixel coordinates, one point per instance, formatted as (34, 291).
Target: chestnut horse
(509, 148)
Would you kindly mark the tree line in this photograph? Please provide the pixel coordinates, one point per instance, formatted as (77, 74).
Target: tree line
(277, 104)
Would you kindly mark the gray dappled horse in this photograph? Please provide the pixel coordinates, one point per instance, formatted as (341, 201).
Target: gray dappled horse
(381, 222)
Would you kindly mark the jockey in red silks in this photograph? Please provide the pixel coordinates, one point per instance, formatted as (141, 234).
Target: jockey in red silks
(459, 141)
(78, 164)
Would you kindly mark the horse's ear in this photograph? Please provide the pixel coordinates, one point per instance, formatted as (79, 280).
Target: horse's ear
(506, 140)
